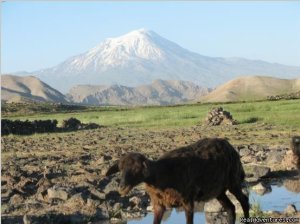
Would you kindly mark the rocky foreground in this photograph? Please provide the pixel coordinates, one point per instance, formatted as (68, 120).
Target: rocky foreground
(59, 177)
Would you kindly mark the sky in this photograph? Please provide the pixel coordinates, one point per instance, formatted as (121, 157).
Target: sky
(41, 34)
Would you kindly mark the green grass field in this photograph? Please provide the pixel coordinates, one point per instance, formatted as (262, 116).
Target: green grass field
(283, 113)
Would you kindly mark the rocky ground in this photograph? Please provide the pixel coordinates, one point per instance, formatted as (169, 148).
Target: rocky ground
(59, 177)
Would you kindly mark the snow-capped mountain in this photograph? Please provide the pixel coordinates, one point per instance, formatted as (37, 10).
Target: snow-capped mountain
(141, 56)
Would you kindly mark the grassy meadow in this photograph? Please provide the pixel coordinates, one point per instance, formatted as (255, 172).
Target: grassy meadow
(282, 113)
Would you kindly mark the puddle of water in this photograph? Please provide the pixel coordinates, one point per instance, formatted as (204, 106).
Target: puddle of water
(278, 199)
(173, 217)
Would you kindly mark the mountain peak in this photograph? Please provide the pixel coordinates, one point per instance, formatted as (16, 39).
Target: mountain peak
(141, 56)
(139, 35)
(135, 34)
(137, 44)
(141, 31)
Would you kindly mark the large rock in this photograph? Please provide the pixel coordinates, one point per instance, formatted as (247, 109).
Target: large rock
(76, 201)
(216, 218)
(261, 188)
(244, 151)
(213, 206)
(96, 193)
(57, 193)
(290, 209)
(260, 171)
(292, 185)
(109, 185)
(16, 199)
(275, 156)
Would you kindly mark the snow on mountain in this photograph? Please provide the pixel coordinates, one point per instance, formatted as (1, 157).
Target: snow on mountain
(142, 56)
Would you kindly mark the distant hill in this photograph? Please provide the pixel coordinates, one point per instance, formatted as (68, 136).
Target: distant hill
(252, 88)
(160, 92)
(28, 88)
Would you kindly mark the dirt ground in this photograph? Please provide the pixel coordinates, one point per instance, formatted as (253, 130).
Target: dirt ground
(59, 177)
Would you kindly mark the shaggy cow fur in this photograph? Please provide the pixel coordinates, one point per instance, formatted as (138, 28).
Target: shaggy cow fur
(198, 172)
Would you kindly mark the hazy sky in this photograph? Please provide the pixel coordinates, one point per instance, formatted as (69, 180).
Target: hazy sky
(36, 35)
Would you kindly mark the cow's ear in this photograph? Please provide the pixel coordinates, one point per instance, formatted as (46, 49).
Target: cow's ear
(113, 169)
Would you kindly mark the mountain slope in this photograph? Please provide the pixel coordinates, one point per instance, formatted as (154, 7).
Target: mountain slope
(252, 88)
(142, 56)
(28, 88)
(158, 93)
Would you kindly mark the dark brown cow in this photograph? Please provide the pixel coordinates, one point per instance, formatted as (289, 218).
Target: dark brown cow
(198, 172)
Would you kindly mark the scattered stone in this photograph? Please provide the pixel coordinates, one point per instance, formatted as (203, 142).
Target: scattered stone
(275, 156)
(42, 196)
(117, 220)
(105, 158)
(92, 203)
(261, 171)
(76, 201)
(104, 208)
(112, 185)
(117, 206)
(290, 209)
(98, 194)
(248, 159)
(149, 208)
(135, 201)
(244, 152)
(43, 184)
(16, 199)
(213, 206)
(261, 188)
(216, 218)
(260, 156)
(132, 214)
(58, 193)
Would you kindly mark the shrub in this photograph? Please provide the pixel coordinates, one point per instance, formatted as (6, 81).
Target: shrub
(71, 124)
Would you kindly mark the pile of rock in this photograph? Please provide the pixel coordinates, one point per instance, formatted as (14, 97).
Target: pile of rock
(218, 116)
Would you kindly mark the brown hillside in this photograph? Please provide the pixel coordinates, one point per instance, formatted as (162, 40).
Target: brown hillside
(252, 88)
(28, 88)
